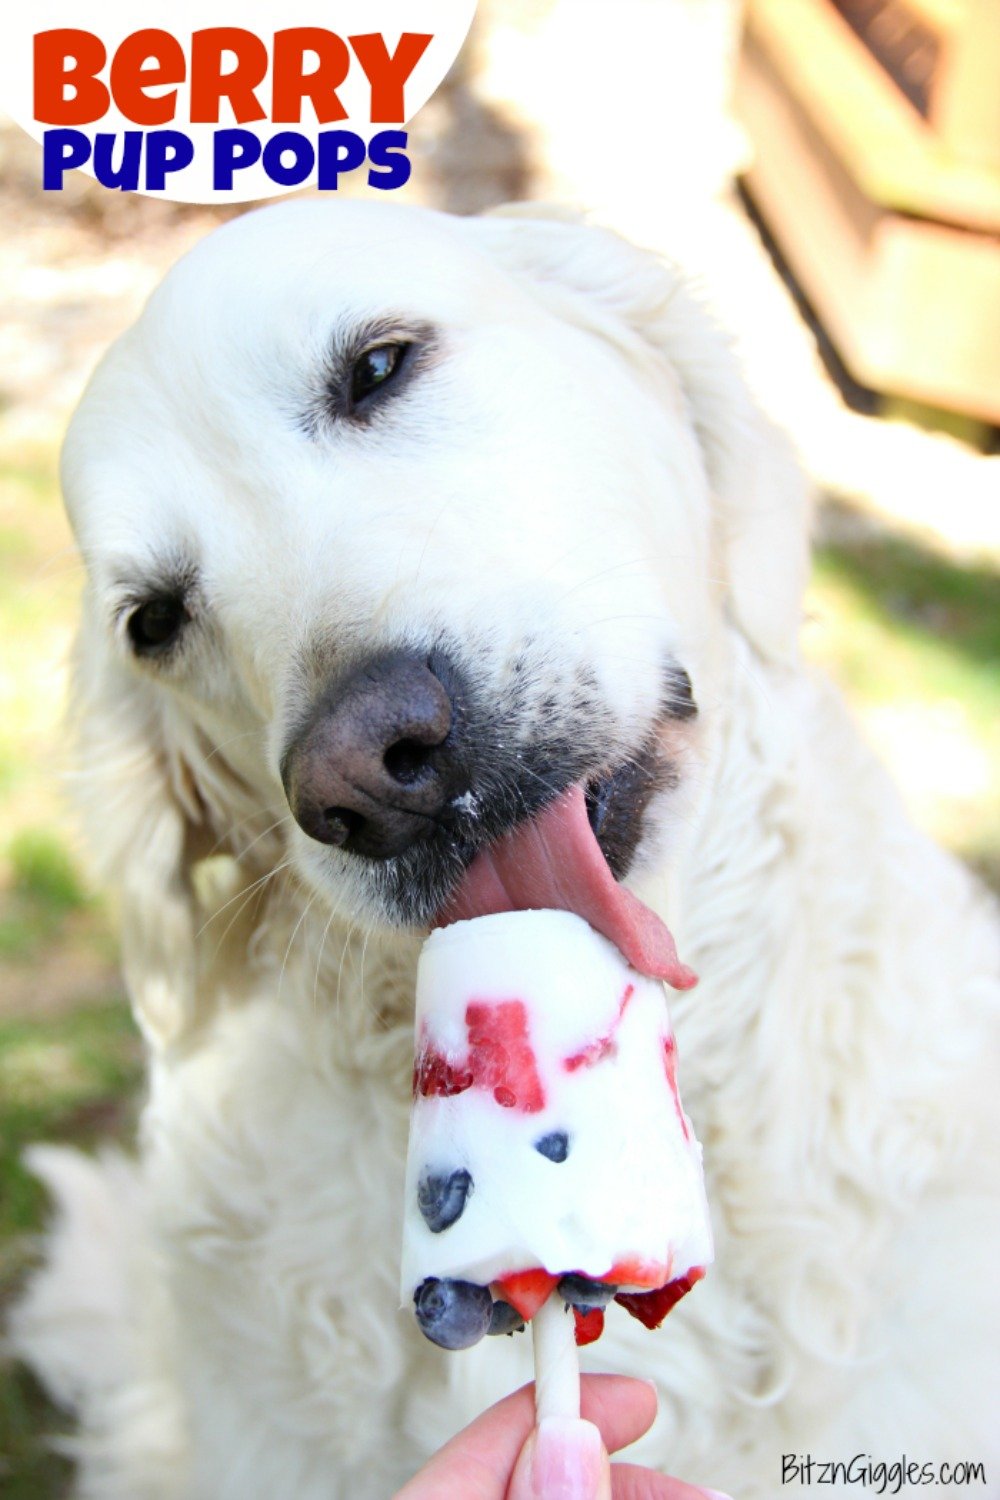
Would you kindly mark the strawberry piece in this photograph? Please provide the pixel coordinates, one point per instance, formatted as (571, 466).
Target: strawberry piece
(670, 1066)
(646, 1273)
(604, 1046)
(589, 1325)
(526, 1290)
(596, 1052)
(500, 1055)
(652, 1307)
(435, 1077)
(500, 1058)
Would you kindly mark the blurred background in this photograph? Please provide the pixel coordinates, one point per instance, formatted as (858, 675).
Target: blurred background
(829, 170)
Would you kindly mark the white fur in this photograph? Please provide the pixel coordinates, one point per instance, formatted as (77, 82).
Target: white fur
(583, 465)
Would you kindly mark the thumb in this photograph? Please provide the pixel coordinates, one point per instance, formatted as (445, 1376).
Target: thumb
(563, 1459)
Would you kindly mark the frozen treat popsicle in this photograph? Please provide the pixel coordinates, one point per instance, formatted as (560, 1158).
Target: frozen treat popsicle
(550, 1159)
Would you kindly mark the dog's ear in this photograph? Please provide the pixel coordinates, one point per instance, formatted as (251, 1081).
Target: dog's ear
(760, 495)
(145, 829)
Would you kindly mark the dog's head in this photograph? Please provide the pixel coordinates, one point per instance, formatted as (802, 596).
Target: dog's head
(405, 534)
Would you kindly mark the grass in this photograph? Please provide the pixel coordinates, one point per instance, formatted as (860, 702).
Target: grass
(44, 887)
(67, 1078)
(69, 1058)
(914, 640)
(31, 1468)
(39, 603)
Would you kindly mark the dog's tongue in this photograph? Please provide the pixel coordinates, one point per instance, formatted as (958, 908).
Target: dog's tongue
(554, 861)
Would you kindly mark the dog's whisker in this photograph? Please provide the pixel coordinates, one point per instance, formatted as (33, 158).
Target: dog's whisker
(242, 853)
(135, 760)
(244, 734)
(288, 947)
(340, 967)
(526, 770)
(364, 998)
(255, 891)
(229, 832)
(269, 875)
(68, 561)
(319, 957)
(556, 563)
(745, 668)
(645, 619)
(430, 532)
(335, 911)
(583, 583)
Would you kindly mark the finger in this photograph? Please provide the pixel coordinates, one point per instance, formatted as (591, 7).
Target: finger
(479, 1461)
(630, 1482)
(621, 1407)
(563, 1459)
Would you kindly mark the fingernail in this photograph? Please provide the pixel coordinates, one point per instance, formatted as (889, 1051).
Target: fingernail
(568, 1460)
(715, 1495)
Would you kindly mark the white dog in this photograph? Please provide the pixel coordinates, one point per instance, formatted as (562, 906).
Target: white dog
(397, 526)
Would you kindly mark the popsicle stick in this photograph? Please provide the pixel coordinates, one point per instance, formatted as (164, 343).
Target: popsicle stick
(557, 1363)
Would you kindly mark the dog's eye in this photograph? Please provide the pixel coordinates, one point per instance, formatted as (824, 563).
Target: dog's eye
(156, 624)
(375, 368)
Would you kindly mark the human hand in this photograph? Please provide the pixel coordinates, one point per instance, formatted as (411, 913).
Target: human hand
(502, 1456)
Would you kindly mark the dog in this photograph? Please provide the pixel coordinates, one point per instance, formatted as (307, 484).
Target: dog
(399, 528)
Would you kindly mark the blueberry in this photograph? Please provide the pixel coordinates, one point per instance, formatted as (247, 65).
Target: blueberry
(581, 1292)
(441, 1197)
(505, 1319)
(555, 1145)
(453, 1314)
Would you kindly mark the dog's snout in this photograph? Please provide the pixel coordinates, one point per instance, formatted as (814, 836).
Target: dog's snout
(376, 763)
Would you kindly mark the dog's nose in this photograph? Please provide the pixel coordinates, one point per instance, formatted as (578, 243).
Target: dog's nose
(374, 767)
